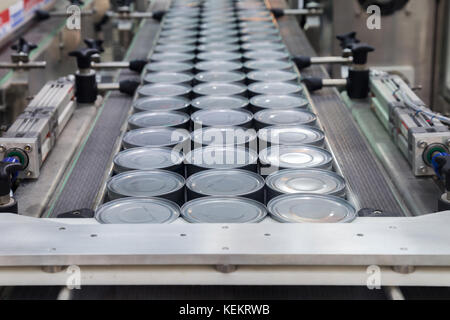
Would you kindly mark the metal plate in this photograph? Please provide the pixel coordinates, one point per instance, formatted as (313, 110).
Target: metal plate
(224, 136)
(313, 181)
(300, 157)
(226, 183)
(164, 90)
(220, 76)
(218, 65)
(140, 183)
(138, 211)
(164, 66)
(278, 102)
(219, 102)
(220, 89)
(219, 55)
(161, 104)
(274, 88)
(311, 208)
(268, 65)
(158, 119)
(223, 210)
(147, 159)
(155, 137)
(284, 117)
(222, 118)
(292, 135)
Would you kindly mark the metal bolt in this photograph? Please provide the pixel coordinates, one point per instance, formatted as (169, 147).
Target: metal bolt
(28, 173)
(447, 143)
(423, 170)
(2, 149)
(28, 148)
(422, 144)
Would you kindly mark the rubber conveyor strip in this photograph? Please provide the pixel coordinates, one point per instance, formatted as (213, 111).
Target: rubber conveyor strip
(81, 186)
(357, 163)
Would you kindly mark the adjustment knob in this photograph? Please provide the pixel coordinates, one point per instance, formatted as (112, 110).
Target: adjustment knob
(360, 53)
(84, 57)
(347, 40)
(23, 46)
(94, 44)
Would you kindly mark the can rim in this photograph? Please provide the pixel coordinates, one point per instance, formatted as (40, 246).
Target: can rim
(264, 153)
(195, 117)
(272, 178)
(262, 208)
(120, 167)
(170, 204)
(260, 180)
(263, 134)
(350, 217)
(138, 115)
(257, 115)
(251, 153)
(185, 135)
(249, 134)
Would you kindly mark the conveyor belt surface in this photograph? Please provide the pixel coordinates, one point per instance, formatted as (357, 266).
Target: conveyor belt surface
(358, 164)
(85, 178)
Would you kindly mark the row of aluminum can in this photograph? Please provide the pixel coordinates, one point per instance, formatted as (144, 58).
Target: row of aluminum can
(221, 70)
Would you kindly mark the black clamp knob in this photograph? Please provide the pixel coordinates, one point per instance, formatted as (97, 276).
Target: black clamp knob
(23, 46)
(360, 53)
(158, 15)
(138, 65)
(41, 15)
(7, 169)
(94, 44)
(313, 84)
(347, 40)
(277, 12)
(302, 62)
(128, 87)
(84, 57)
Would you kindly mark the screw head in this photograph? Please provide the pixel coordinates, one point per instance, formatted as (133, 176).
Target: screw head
(28, 173)
(28, 148)
(423, 170)
(2, 149)
(422, 144)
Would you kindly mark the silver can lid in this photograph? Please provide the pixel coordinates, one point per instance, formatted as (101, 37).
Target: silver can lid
(287, 117)
(278, 102)
(220, 89)
(175, 47)
(268, 65)
(258, 37)
(138, 211)
(179, 40)
(220, 102)
(275, 88)
(223, 136)
(217, 65)
(140, 183)
(157, 119)
(167, 66)
(222, 117)
(176, 32)
(219, 55)
(221, 157)
(163, 90)
(225, 183)
(217, 46)
(272, 75)
(218, 38)
(172, 56)
(311, 208)
(263, 45)
(154, 137)
(220, 76)
(292, 135)
(296, 157)
(266, 54)
(146, 159)
(161, 104)
(259, 30)
(168, 77)
(218, 30)
(223, 210)
(312, 181)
